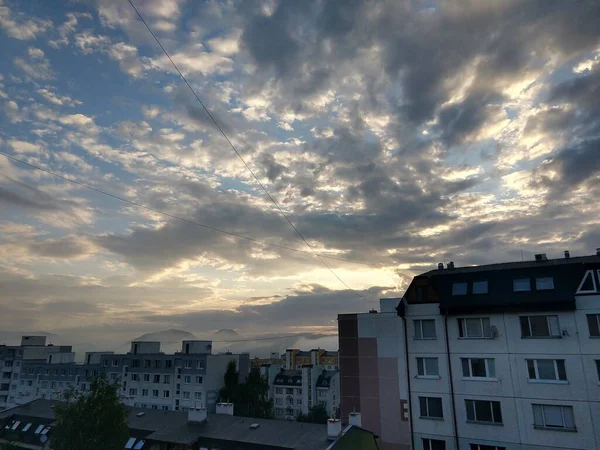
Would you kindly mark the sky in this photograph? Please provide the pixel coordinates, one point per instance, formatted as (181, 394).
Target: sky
(395, 134)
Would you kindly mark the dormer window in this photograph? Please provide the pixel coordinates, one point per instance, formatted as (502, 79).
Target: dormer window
(480, 287)
(544, 284)
(521, 285)
(459, 289)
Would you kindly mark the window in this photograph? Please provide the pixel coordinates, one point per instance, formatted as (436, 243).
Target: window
(553, 417)
(522, 284)
(144, 392)
(278, 390)
(135, 377)
(485, 447)
(105, 362)
(23, 383)
(187, 379)
(168, 364)
(588, 284)
(546, 369)
(483, 411)
(44, 384)
(427, 367)
(200, 365)
(298, 391)
(474, 328)
(459, 289)
(188, 364)
(279, 411)
(115, 363)
(147, 363)
(544, 284)
(433, 444)
(197, 395)
(539, 326)
(132, 392)
(157, 364)
(166, 379)
(478, 368)
(155, 393)
(424, 329)
(29, 382)
(135, 363)
(298, 401)
(147, 377)
(420, 293)
(157, 378)
(289, 391)
(166, 393)
(480, 287)
(594, 324)
(60, 384)
(598, 368)
(186, 395)
(431, 408)
(53, 385)
(198, 379)
(279, 401)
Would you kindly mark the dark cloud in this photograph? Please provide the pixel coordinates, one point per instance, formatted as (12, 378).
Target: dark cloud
(65, 248)
(34, 199)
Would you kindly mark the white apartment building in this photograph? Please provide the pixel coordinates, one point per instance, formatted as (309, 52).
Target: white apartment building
(148, 378)
(496, 357)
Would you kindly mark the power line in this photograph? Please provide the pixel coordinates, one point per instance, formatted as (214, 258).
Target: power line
(236, 151)
(173, 216)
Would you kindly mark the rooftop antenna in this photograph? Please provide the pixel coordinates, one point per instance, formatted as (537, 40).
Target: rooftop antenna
(522, 259)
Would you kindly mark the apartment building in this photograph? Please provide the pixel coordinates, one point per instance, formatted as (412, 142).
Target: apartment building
(12, 358)
(148, 378)
(495, 357)
(296, 359)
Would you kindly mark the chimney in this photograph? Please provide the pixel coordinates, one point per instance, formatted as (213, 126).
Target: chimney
(541, 257)
(598, 251)
(451, 265)
(334, 428)
(225, 408)
(567, 254)
(354, 419)
(440, 266)
(197, 414)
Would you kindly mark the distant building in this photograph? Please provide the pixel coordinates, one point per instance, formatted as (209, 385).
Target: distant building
(32, 423)
(501, 356)
(275, 358)
(296, 359)
(148, 377)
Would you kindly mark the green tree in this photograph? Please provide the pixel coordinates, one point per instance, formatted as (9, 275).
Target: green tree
(10, 439)
(94, 420)
(251, 398)
(316, 414)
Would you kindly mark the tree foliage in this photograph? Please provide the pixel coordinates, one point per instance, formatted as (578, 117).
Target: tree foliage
(94, 420)
(250, 398)
(316, 414)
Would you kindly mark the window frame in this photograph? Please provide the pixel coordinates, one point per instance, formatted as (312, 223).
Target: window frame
(542, 288)
(548, 324)
(517, 280)
(590, 319)
(481, 283)
(428, 408)
(597, 361)
(473, 446)
(488, 363)
(463, 329)
(423, 366)
(491, 406)
(457, 288)
(428, 444)
(545, 426)
(557, 371)
(418, 325)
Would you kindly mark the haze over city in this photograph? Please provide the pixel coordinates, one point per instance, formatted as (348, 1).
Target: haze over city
(393, 135)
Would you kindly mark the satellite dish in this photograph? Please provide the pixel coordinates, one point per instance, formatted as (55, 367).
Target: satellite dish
(43, 438)
(494, 331)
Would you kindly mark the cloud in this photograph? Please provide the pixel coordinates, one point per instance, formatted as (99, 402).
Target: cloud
(79, 120)
(56, 99)
(127, 57)
(24, 146)
(19, 28)
(64, 248)
(36, 65)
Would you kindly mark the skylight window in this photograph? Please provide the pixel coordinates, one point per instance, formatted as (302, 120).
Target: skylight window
(27, 427)
(39, 429)
(130, 442)
(139, 445)
(16, 425)
(459, 289)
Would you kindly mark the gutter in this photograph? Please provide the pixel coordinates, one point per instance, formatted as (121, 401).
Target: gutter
(451, 380)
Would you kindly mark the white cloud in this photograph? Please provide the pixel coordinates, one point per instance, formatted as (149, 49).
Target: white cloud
(36, 66)
(21, 29)
(151, 111)
(58, 100)
(89, 43)
(195, 60)
(24, 146)
(127, 57)
(227, 45)
(78, 120)
(255, 114)
(285, 126)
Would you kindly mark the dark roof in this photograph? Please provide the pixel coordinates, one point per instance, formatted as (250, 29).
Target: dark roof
(292, 377)
(325, 378)
(566, 274)
(174, 427)
(355, 438)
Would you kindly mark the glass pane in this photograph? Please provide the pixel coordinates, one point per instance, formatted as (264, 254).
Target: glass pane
(542, 284)
(525, 330)
(417, 324)
(428, 328)
(470, 409)
(480, 287)
(420, 369)
(553, 416)
(436, 444)
(459, 289)
(423, 406)
(461, 327)
(539, 326)
(483, 411)
(598, 368)
(593, 324)
(473, 327)
(435, 407)
(485, 324)
(431, 366)
(568, 416)
(521, 285)
(466, 373)
(588, 283)
(546, 369)
(491, 368)
(497, 412)
(560, 366)
(478, 368)
(553, 321)
(531, 369)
